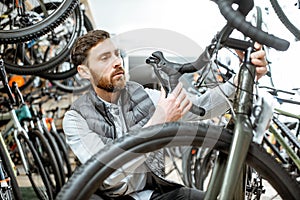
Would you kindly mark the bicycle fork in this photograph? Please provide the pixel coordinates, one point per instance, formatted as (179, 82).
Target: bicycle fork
(223, 185)
(19, 130)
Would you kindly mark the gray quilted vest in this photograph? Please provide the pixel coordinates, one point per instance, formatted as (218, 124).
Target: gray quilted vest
(137, 108)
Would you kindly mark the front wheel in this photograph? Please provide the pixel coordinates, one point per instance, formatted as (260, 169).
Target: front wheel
(35, 171)
(90, 176)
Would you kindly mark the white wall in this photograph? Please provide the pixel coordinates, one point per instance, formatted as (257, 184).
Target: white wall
(198, 20)
(194, 18)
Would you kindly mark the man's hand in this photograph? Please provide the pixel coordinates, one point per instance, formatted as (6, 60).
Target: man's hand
(258, 58)
(171, 108)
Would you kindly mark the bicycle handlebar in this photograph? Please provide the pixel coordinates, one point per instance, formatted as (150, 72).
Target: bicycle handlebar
(275, 91)
(237, 20)
(175, 71)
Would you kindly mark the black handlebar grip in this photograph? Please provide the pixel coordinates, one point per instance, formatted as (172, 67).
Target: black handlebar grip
(197, 110)
(237, 20)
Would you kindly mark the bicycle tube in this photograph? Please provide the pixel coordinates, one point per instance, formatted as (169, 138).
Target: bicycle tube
(41, 27)
(284, 19)
(36, 169)
(91, 175)
(10, 172)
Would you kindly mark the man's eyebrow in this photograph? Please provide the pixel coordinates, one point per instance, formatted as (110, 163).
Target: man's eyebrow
(104, 54)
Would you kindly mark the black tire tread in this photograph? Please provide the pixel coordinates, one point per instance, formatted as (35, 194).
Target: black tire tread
(89, 176)
(41, 28)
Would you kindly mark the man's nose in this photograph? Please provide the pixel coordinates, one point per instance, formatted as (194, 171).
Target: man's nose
(117, 62)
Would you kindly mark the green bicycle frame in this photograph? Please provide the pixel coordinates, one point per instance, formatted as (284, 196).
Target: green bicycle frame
(230, 168)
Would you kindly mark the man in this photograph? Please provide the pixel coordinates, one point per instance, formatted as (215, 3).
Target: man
(115, 106)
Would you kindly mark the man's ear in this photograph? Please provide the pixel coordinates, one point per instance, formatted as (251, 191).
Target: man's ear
(83, 71)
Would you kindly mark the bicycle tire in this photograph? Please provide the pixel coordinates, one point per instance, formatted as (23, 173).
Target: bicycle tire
(48, 159)
(55, 73)
(64, 152)
(188, 167)
(40, 28)
(69, 80)
(42, 188)
(21, 51)
(90, 176)
(55, 149)
(10, 172)
(202, 169)
(74, 84)
(196, 167)
(284, 19)
(259, 20)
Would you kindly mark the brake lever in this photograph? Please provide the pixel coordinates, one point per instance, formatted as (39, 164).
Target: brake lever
(157, 70)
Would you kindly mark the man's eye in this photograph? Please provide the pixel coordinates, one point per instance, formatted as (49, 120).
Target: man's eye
(118, 53)
(104, 58)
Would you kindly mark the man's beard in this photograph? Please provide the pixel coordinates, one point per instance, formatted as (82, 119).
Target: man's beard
(111, 86)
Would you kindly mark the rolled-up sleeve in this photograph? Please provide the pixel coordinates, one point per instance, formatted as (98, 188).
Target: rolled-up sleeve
(215, 101)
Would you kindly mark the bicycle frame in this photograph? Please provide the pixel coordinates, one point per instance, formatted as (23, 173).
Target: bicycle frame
(15, 126)
(286, 146)
(288, 134)
(291, 115)
(243, 133)
(7, 153)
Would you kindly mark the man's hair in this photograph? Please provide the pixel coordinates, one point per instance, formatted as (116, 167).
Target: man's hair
(84, 43)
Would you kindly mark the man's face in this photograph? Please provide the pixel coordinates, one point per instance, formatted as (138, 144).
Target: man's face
(106, 67)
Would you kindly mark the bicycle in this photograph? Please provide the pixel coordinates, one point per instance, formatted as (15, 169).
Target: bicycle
(287, 144)
(45, 53)
(279, 140)
(283, 10)
(5, 189)
(9, 184)
(19, 22)
(48, 129)
(233, 143)
(16, 134)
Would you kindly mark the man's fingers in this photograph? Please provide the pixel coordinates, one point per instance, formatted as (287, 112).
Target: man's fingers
(177, 90)
(187, 104)
(182, 95)
(258, 58)
(257, 45)
(258, 54)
